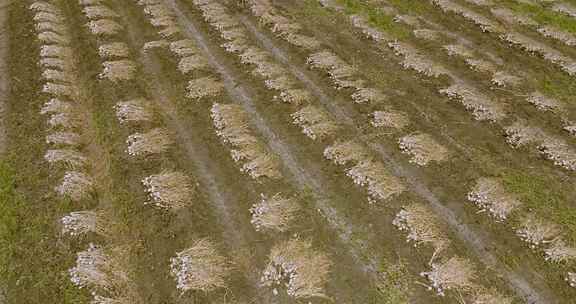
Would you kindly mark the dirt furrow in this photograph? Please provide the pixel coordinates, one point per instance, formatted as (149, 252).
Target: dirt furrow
(4, 75)
(302, 178)
(475, 240)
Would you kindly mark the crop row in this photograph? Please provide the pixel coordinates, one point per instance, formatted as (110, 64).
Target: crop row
(490, 197)
(294, 265)
(100, 269)
(360, 166)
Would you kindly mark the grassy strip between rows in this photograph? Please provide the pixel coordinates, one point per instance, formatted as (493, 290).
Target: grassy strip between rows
(377, 18)
(30, 269)
(543, 15)
(33, 260)
(543, 197)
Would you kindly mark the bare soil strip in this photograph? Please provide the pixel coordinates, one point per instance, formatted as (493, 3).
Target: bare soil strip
(476, 241)
(4, 76)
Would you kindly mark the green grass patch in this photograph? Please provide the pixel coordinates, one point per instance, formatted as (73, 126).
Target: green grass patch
(544, 16)
(30, 260)
(393, 286)
(375, 17)
(545, 198)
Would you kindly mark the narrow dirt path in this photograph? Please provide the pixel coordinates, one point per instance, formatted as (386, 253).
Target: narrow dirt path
(303, 179)
(4, 73)
(476, 241)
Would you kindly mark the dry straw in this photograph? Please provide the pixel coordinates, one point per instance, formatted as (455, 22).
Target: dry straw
(169, 190)
(315, 123)
(565, 8)
(266, 69)
(63, 139)
(560, 35)
(64, 121)
(295, 96)
(105, 27)
(156, 44)
(90, 2)
(368, 31)
(54, 17)
(559, 252)
(75, 185)
(55, 51)
(503, 79)
(204, 87)
(544, 103)
(54, 63)
(554, 149)
(183, 48)
(231, 123)
(283, 27)
(155, 141)
(481, 65)
(296, 266)
(423, 227)
(570, 128)
(342, 153)
(482, 107)
(423, 149)
(169, 32)
(537, 232)
(200, 267)
(69, 158)
(99, 12)
(454, 274)
(426, 34)
(416, 61)
(389, 119)
(192, 63)
(102, 270)
(119, 70)
(484, 23)
(381, 185)
(56, 105)
(274, 213)
(43, 6)
(489, 195)
(507, 15)
(60, 90)
(133, 111)
(519, 134)
(57, 76)
(83, 222)
(91, 269)
(571, 279)
(114, 50)
(235, 46)
(365, 95)
(559, 152)
(53, 38)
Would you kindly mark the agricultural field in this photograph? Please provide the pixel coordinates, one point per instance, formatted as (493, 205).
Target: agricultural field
(277, 151)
